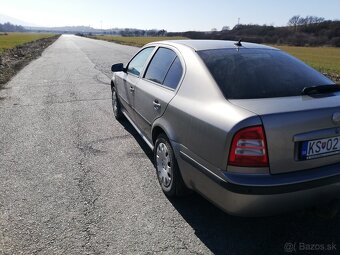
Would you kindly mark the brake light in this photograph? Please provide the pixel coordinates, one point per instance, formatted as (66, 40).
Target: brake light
(249, 148)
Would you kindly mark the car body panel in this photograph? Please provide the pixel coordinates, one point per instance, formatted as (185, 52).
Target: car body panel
(151, 100)
(286, 118)
(201, 123)
(125, 85)
(198, 45)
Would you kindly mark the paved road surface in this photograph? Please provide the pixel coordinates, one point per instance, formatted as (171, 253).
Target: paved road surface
(75, 181)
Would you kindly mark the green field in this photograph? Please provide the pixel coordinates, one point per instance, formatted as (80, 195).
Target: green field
(135, 41)
(324, 59)
(12, 40)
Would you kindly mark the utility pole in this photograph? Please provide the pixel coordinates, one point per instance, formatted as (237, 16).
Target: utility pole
(238, 22)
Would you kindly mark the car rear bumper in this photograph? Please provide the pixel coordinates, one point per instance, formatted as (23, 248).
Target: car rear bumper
(262, 195)
(255, 205)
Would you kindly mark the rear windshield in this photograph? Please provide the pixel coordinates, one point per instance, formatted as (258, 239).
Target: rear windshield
(259, 73)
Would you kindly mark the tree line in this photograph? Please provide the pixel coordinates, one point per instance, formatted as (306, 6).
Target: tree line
(141, 32)
(127, 32)
(8, 27)
(300, 31)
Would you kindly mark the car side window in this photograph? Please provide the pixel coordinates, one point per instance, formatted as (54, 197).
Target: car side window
(174, 74)
(137, 63)
(160, 65)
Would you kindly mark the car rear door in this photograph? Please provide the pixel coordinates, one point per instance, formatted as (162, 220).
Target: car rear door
(157, 87)
(127, 81)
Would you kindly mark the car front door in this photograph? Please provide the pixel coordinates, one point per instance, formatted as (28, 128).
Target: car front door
(157, 87)
(127, 81)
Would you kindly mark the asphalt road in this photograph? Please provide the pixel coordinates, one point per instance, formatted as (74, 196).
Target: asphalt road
(75, 181)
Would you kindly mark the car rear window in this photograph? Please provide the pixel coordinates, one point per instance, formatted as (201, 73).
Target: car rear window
(259, 73)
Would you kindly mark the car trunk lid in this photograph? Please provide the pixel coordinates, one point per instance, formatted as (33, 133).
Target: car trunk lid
(290, 122)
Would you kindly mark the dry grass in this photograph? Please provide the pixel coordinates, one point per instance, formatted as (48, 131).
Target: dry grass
(324, 59)
(18, 50)
(12, 40)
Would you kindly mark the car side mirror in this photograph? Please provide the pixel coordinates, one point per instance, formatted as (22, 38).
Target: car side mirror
(118, 68)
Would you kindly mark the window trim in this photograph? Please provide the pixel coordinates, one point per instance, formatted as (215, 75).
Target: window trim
(178, 55)
(180, 80)
(147, 61)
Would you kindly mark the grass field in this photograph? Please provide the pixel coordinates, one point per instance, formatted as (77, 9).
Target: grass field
(135, 41)
(324, 59)
(12, 40)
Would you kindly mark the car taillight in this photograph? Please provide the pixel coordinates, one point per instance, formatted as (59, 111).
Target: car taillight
(249, 148)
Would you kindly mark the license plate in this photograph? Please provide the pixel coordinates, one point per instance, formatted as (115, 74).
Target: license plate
(320, 148)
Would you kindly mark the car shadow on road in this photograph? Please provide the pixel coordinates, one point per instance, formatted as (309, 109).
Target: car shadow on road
(226, 234)
(129, 128)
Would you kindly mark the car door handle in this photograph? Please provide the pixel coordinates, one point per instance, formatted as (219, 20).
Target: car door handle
(156, 104)
(132, 89)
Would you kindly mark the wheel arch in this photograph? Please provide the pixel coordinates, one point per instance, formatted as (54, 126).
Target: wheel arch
(162, 126)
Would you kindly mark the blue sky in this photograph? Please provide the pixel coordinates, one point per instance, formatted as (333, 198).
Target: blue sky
(171, 15)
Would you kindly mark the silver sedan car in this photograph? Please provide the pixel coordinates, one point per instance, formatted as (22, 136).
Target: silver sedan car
(251, 128)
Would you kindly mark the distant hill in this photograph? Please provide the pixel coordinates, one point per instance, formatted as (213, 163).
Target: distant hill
(5, 19)
(74, 29)
(33, 27)
(86, 30)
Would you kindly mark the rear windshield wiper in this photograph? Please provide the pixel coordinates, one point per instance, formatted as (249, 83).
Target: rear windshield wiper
(320, 89)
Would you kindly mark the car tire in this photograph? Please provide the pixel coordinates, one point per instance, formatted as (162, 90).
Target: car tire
(167, 169)
(116, 107)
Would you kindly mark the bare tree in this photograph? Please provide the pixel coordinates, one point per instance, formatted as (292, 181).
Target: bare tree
(302, 21)
(320, 19)
(293, 21)
(297, 21)
(313, 20)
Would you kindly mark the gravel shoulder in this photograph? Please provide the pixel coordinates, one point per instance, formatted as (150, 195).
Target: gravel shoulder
(13, 60)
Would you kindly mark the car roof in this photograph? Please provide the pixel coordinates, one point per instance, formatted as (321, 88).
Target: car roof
(199, 45)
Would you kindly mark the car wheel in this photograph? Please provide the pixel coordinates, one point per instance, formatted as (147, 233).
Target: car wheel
(167, 170)
(117, 111)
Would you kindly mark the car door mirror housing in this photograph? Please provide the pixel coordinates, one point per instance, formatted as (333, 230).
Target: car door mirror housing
(118, 68)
